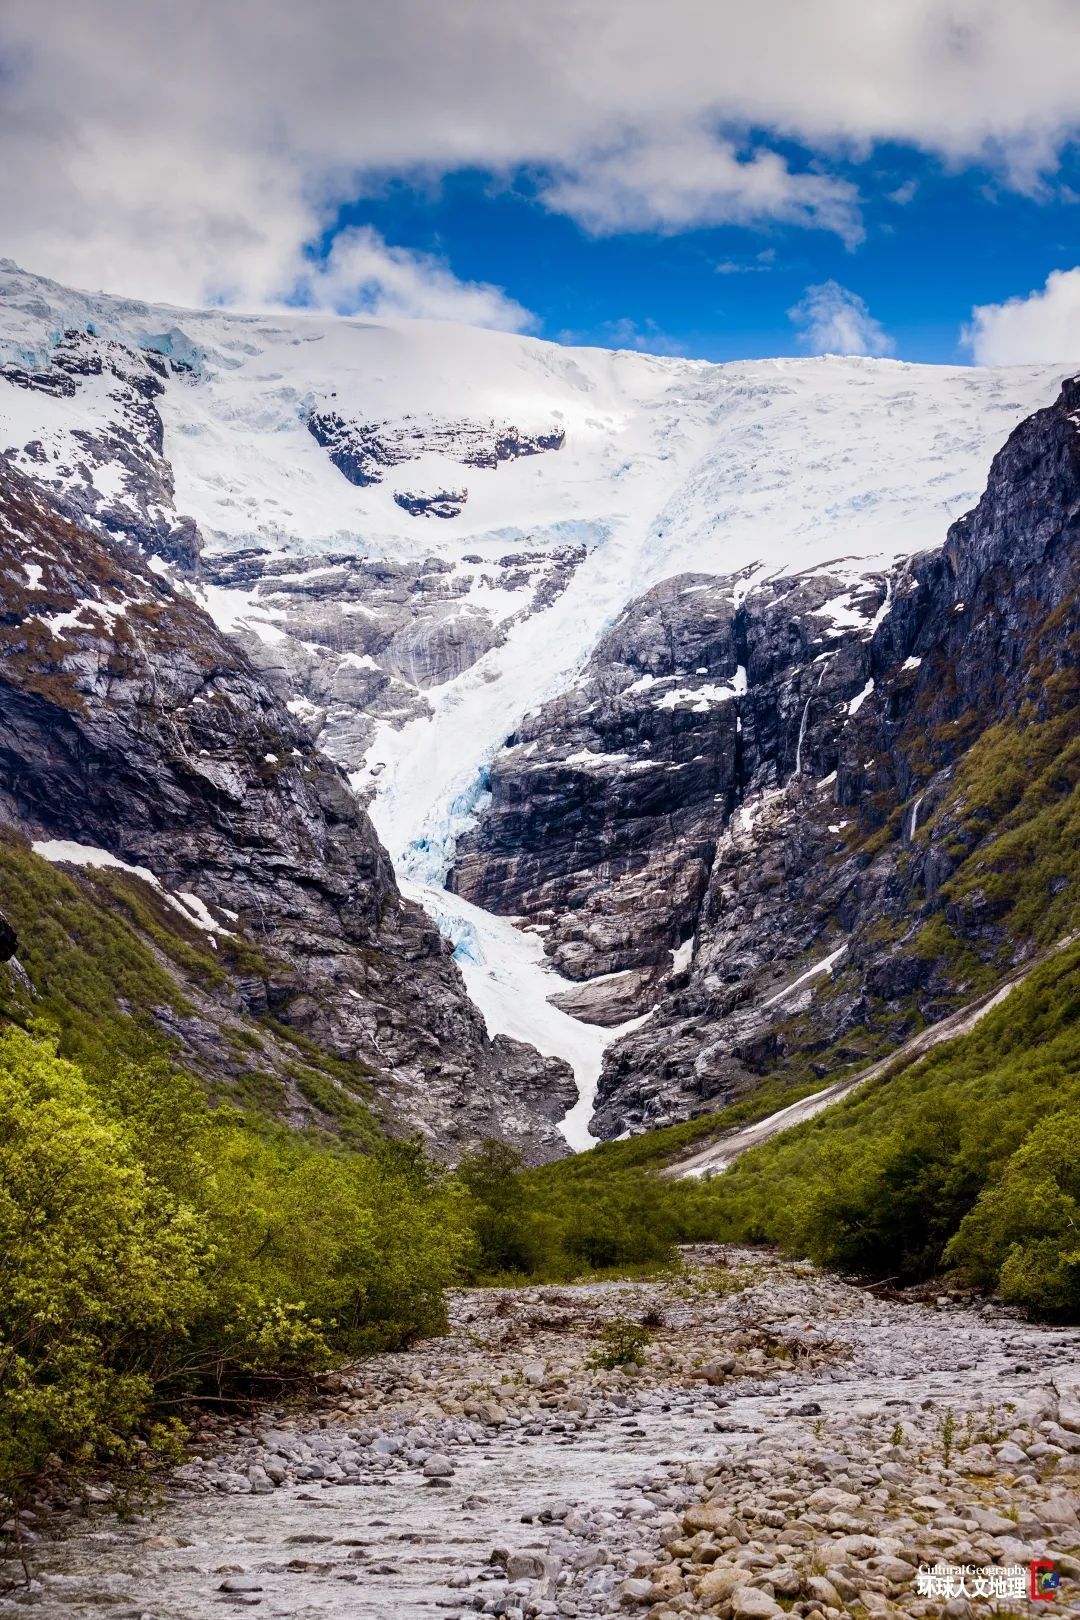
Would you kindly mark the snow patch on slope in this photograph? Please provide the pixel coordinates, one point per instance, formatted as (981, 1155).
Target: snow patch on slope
(65, 852)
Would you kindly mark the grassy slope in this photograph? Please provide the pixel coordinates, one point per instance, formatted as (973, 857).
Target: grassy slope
(106, 958)
(884, 1182)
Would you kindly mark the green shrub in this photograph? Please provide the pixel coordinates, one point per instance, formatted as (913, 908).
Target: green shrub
(554, 1224)
(94, 1264)
(152, 1249)
(622, 1344)
(1023, 1233)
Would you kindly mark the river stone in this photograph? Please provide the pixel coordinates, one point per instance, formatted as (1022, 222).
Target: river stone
(718, 1585)
(1011, 1455)
(829, 1500)
(785, 1580)
(438, 1466)
(1057, 1511)
(706, 1516)
(750, 1603)
(817, 1586)
(1068, 1414)
(992, 1523)
(524, 1566)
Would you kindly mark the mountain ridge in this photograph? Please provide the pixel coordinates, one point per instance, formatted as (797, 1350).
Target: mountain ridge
(730, 539)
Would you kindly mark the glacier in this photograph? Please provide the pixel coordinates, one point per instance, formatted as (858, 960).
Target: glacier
(668, 465)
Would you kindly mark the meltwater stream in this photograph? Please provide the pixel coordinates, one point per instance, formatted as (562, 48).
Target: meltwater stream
(366, 1536)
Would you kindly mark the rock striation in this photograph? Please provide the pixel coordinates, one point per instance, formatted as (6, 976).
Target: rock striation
(365, 451)
(112, 470)
(349, 641)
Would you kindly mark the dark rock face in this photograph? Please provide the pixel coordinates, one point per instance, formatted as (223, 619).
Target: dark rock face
(129, 722)
(444, 503)
(365, 451)
(355, 448)
(134, 495)
(9, 943)
(606, 805)
(757, 774)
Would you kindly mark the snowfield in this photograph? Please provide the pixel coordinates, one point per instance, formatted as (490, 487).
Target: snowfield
(668, 465)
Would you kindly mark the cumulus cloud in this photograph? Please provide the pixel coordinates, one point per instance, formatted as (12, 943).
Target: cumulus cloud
(691, 178)
(834, 320)
(1043, 326)
(195, 149)
(363, 275)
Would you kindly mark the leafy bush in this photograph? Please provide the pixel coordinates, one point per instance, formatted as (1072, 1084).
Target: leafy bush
(152, 1248)
(1024, 1231)
(622, 1344)
(93, 1266)
(554, 1224)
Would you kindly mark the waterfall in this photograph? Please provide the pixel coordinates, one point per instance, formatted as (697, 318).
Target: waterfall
(802, 735)
(913, 820)
(825, 660)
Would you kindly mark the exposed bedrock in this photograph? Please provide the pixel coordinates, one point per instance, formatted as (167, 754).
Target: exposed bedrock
(350, 641)
(606, 805)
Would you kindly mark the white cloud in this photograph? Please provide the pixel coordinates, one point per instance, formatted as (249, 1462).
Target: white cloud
(176, 150)
(693, 178)
(363, 275)
(834, 320)
(760, 263)
(1043, 326)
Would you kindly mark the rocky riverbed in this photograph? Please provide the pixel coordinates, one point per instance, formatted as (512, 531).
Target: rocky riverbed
(788, 1442)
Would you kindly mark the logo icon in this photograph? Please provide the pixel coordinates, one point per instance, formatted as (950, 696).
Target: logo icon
(1044, 1581)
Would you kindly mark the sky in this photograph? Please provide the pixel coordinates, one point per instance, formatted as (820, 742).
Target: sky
(702, 177)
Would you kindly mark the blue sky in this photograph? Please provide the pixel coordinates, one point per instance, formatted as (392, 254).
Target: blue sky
(674, 177)
(937, 242)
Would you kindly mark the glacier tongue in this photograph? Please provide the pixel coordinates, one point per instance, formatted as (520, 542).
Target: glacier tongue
(506, 975)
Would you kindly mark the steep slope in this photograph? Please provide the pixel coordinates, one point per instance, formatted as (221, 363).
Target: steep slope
(723, 1148)
(801, 819)
(136, 740)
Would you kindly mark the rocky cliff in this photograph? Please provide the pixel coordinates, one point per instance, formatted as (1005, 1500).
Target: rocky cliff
(788, 816)
(131, 726)
(110, 468)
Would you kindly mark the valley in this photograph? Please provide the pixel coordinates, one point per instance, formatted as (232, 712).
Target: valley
(786, 1444)
(597, 828)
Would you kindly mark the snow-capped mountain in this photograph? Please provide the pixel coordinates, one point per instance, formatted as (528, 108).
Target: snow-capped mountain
(420, 532)
(640, 468)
